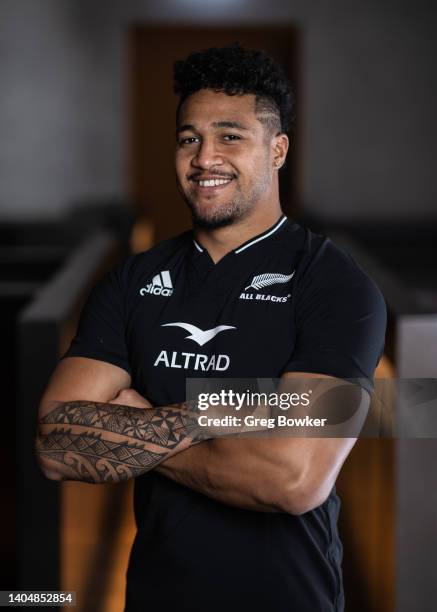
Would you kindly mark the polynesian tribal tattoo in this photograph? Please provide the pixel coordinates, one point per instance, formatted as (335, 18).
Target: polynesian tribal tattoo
(98, 442)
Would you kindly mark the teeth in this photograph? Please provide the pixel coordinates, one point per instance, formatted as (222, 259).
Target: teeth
(214, 182)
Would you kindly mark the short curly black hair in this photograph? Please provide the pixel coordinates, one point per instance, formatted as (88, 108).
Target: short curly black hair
(236, 70)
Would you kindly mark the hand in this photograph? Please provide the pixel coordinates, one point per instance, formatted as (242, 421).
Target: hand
(130, 397)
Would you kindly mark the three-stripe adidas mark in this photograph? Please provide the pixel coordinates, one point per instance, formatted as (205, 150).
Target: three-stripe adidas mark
(161, 285)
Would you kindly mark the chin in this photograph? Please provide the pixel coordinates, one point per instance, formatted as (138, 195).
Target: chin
(212, 219)
(213, 222)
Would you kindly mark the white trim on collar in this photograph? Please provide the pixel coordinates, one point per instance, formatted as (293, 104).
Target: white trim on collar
(272, 231)
(198, 247)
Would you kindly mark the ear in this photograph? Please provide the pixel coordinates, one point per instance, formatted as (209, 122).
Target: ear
(280, 144)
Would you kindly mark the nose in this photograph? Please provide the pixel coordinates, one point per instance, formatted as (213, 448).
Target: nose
(206, 156)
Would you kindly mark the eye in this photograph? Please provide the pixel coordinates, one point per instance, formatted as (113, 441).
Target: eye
(231, 137)
(188, 140)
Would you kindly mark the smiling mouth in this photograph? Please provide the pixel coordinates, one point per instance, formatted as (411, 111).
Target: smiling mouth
(212, 183)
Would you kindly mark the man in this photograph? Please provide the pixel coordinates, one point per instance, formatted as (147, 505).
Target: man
(237, 524)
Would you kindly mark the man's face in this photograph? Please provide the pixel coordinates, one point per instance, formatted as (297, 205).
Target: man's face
(223, 157)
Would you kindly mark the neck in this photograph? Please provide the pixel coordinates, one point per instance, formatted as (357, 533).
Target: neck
(221, 241)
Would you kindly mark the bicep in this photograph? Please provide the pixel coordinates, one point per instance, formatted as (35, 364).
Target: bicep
(318, 460)
(340, 338)
(81, 378)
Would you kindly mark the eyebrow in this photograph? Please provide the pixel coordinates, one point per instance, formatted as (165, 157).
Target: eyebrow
(216, 124)
(229, 124)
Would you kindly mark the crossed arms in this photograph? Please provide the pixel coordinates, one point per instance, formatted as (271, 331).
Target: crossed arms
(115, 434)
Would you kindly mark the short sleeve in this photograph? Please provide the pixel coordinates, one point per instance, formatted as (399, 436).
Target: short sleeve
(101, 330)
(340, 317)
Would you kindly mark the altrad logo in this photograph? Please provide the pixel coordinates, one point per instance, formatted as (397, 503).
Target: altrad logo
(197, 334)
(195, 361)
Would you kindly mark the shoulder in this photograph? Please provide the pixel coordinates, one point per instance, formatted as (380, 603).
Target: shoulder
(146, 262)
(330, 275)
(321, 256)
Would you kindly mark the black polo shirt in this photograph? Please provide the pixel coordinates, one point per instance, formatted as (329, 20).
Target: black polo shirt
(285, 300)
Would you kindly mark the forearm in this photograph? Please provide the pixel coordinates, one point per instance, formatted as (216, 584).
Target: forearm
(289, 473)
(247, 473)
(102, 442)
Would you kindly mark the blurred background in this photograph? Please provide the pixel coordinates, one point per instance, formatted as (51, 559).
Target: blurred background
(86, 178)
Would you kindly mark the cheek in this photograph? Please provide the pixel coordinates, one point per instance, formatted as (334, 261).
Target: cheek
(243, 161)
(259, 166)
(256, 158)
(181, 165)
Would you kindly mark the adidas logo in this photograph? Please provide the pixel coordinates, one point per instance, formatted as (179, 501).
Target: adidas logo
(161, 285)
